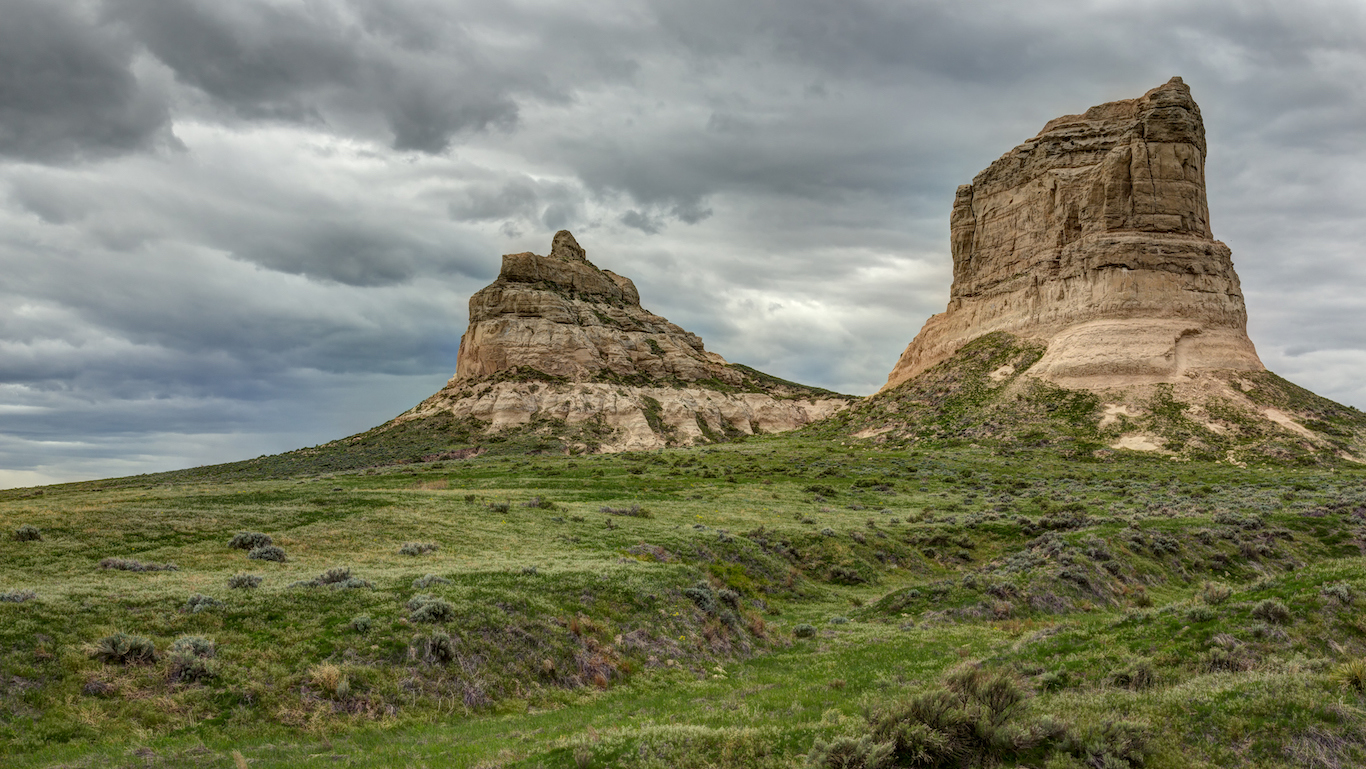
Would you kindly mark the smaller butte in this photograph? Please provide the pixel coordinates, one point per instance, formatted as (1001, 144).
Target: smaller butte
(562, 348)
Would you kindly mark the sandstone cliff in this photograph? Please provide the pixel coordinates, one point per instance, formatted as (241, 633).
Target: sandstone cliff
(557, 345)
(1094, 238)
(1092, 309)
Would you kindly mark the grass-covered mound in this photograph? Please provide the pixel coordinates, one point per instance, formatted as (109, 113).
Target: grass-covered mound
(984, 395)
(772, 603)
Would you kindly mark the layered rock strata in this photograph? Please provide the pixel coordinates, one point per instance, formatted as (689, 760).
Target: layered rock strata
(1094, 238)
(556, 341)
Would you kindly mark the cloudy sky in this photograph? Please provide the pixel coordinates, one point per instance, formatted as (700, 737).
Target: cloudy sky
(236, 228)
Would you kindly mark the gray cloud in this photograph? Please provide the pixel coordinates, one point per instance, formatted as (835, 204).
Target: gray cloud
(231, 228)
(67, 89)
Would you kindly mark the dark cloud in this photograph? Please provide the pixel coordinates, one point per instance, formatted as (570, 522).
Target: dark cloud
(774, 176)
(67, 89)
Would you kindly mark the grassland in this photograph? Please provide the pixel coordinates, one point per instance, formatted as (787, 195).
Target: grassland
(735, 605)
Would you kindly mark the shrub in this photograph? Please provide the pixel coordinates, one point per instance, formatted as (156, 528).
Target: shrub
(428, 608)
(437, 648)
(804, 631)
(703, 596)
(28, 533)
(244, 581)
(197, 646)
(540, 503)
(729, 597)
(1351, 675)
(1215, 593)
(267, 553)
(198, 603)
(338, 577)
(127, 564)
(125, 649)
(1340, 592)
(418, 548)
(1272, 611)
(428, 580)
(1054, 680)
(249, 540)
(361, 623)
(851, 753)
(500, 507)
(634, 511)
(1136, 676)
(1199, 614)
(1226, 655)
(17, 596)
(839, 620)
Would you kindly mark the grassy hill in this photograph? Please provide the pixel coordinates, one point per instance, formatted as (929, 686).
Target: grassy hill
(984, 396)
(745, 604)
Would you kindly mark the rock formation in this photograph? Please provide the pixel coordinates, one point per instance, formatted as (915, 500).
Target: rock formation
(558, 345)
(1094, 238)
(1092, 310)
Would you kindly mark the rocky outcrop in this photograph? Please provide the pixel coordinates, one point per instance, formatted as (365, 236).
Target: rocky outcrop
(1094, 238)
(561, 315)
(556, 344)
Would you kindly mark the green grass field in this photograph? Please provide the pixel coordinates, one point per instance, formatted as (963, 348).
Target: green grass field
(745, 604)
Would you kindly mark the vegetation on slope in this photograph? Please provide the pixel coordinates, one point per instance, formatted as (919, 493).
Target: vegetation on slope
(984, 396)
(770, 603)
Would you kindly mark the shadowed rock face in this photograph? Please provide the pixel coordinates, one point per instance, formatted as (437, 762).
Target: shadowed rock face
(1094, 237)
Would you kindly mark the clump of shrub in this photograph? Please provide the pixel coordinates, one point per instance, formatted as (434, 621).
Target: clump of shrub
(500, 507)
(1136, 676)
(540, 503)
(418, 548)
(436, 648)
(198, 603)
(190, 659)
(1215, 593)
(338, 577)
(125, 649)
(361, 623)
(839, 620)
(127, 564)
(429, 608)
(634, 511)
(244, 581)
(1351, 675)
(1226, 655)
(804, 631)
(977, 717)
(17, 596)
(851, 753)
(428, 580)
(249, 540)
(267, 553)
(1340, 592)
(1272, 611)
(28, 533)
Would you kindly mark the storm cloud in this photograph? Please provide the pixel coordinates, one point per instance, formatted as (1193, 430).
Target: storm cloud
(235, 228)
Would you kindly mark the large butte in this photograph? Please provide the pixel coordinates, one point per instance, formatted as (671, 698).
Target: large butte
(1094, 238)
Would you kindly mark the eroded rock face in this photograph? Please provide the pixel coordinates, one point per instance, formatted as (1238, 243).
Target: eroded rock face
(557, 344)
(1094, 237)
(561, 315)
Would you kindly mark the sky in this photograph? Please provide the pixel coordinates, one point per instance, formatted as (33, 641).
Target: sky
(230, 229)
